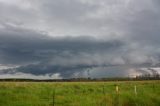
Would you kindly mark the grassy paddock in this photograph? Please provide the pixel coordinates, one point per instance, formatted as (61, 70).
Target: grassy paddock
(80, 93)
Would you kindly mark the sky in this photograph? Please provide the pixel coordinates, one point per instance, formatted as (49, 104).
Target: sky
(55, 39)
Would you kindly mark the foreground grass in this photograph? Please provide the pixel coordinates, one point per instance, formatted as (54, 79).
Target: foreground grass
(79, 93)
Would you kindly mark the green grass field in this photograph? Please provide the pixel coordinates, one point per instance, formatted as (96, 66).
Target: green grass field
(80, 93)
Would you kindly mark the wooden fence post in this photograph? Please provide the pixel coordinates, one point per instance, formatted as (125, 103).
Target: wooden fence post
(135, 90)
(117, 89)
(54, 97)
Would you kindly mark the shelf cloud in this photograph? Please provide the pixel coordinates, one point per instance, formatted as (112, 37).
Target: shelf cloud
(66, 38)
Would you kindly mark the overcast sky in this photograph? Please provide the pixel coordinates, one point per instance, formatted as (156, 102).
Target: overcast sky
(65, 38)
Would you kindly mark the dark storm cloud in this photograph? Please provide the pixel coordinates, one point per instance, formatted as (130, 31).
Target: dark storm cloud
(44, 68)
(71, 36)
(39, 54)
(27, 45)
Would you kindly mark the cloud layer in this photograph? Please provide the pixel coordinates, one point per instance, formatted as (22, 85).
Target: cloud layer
(65, 38)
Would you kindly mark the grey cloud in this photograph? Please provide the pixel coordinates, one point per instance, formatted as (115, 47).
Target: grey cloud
(95, 34)
(38, 54)
(21, 44)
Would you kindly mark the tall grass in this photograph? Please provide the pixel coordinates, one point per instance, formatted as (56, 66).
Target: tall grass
(80, 93)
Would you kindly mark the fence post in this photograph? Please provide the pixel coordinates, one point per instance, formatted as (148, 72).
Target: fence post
(116, 98)
(103, 90)
(54, 97)
(135, 90)
(117, 89)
